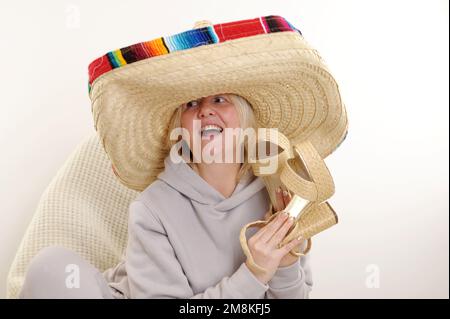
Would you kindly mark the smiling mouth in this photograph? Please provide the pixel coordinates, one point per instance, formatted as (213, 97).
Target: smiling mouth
(210, 130)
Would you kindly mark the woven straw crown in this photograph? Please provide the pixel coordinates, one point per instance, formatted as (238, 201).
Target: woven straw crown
(135, 90)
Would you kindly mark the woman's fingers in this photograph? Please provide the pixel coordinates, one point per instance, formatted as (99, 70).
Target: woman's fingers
(286, 198)
(267, 232)
(289, 246)
(283, 198)
(281, 232)
(270, 229)
(280, 200)
(263, 228)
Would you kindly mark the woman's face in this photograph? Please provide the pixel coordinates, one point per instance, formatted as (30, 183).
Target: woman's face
(206, 118)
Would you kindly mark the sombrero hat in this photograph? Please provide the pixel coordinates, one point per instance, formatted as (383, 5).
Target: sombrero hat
(136, 89)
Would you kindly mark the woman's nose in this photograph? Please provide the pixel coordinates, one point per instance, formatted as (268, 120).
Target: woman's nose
(205, 110)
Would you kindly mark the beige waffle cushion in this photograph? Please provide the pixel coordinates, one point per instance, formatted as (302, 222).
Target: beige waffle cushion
(85, 208)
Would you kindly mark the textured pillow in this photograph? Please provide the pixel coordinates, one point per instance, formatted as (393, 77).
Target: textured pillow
(85, 208)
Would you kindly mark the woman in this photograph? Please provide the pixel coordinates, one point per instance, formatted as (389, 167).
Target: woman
(184, 226)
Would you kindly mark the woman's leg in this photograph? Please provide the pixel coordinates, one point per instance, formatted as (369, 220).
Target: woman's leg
(57, 272)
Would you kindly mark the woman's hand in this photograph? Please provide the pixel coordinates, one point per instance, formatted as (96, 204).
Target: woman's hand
(283, 199)
(264, 246)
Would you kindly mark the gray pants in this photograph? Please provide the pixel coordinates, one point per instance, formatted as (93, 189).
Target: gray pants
(58, 273)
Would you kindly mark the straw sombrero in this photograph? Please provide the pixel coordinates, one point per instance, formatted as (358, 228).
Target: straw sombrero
(135, 90)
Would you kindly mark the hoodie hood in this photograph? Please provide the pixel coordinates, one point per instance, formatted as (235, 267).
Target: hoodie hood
(185, 180)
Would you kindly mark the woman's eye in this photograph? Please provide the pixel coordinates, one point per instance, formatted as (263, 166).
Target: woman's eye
(219, 98)
(191, 103)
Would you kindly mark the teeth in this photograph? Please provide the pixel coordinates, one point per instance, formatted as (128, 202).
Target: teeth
(211, 127)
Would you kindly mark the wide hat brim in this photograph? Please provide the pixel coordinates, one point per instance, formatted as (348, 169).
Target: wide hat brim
(284, 79)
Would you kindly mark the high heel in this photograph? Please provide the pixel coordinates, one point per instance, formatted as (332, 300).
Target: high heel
(301, 171)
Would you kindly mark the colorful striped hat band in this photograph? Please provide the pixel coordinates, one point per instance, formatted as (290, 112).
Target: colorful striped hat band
(135, 90)
(203, 34)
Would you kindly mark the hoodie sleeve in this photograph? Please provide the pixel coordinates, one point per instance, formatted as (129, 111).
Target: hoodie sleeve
(291, 282)
(154, 271)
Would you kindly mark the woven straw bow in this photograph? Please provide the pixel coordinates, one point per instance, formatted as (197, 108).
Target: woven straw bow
(308, 207)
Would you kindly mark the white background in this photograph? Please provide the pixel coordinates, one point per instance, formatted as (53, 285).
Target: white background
(389, 57)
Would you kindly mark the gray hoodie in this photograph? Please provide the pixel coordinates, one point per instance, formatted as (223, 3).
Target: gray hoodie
(183, 242)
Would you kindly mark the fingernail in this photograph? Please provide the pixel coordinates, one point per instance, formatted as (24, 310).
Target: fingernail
(278, 190)
(285, 193)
